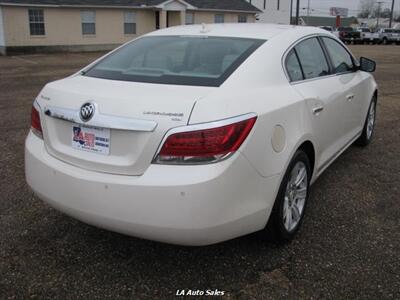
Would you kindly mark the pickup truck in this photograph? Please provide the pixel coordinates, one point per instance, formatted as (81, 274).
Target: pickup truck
(349, 35)
(389, 35)
(367, 36)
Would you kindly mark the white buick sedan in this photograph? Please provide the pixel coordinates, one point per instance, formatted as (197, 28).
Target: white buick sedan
(198, 134)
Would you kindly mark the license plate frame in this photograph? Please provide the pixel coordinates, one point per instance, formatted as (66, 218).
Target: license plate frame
(91, 139)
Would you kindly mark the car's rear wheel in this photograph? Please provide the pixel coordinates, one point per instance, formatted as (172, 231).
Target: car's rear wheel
(369, 125)
(289, 207)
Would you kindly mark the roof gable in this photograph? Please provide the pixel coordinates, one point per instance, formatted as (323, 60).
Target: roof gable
(226, 5)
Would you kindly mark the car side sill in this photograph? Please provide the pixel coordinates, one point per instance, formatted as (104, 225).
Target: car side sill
(326, 164)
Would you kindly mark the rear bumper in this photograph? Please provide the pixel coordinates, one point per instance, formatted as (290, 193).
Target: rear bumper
(188, 205)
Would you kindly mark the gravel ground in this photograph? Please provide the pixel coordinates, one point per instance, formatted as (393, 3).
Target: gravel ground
(348, 246)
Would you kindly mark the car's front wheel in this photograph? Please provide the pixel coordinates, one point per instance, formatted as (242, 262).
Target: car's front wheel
(288, 211)
(369, 125)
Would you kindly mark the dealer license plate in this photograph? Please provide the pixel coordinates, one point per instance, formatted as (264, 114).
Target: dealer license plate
(91, 139)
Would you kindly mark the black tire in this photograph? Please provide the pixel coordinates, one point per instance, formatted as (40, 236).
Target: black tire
(275, 228)
(366, 138)
(385, 41)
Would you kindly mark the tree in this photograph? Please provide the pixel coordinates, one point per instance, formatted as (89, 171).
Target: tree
(385, 13)
(363, 14)
(366, 8)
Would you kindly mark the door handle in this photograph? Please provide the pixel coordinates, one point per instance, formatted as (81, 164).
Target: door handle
(316, 110)
(349, 97)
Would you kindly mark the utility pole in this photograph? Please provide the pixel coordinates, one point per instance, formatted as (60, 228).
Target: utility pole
(379, 14)
(297, 11)
(308, 12)
(291, 12)
(391, 15)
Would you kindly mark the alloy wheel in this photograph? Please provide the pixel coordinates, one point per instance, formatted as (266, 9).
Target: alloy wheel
(371, 120)
(295, 196)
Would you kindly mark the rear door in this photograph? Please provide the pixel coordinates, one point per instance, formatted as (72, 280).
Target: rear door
(323, 93)
(352, 81)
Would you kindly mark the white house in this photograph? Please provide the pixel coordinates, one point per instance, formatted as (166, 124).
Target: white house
(273, 11)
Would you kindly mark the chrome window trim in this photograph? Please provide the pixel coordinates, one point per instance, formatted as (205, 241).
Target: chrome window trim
(316, 35)
(202, 126)
(100, 120)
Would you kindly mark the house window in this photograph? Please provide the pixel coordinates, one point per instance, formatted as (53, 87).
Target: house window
(129, 22)
(36, 22)
(157, 19)
(88, 18)
(219, 18)
(242, 19)
(189, 19)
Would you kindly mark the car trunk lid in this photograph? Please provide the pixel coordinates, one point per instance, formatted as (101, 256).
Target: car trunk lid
(133, 116)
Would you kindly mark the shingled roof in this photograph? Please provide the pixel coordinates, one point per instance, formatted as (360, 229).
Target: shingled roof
(227, 5)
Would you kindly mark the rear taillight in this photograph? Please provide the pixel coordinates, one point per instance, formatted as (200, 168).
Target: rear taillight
(204, 145)
(36, 127)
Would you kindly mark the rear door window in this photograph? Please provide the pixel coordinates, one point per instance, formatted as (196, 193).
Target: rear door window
(293, 67)
(312, 58)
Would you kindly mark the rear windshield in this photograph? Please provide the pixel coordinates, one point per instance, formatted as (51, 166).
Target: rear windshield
(183, 60)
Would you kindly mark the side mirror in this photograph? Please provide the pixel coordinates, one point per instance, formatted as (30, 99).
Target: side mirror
(367, 65)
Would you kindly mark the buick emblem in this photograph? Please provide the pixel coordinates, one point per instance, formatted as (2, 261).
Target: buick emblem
(87, 111)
